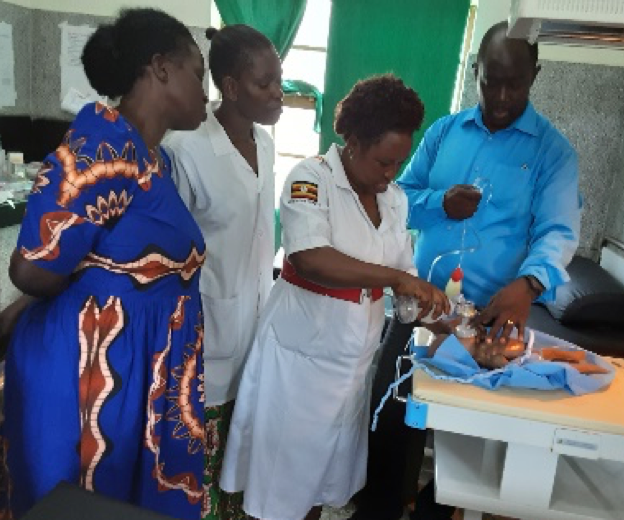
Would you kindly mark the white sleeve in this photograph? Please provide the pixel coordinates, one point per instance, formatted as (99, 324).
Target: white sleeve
(270, 157)
(304, 209)
(184, 172)
(406, 260)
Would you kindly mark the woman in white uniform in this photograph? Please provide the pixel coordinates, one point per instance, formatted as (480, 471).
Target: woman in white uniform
(224, 173)
(298, 437)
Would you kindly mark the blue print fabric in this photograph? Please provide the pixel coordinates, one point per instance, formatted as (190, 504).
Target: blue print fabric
(104, 382)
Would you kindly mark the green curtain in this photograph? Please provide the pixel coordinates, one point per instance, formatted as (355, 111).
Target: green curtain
(418, 40)
(278, 20)
(301, 88)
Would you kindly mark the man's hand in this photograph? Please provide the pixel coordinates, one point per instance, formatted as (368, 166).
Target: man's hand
(507, 309)
(461, 201)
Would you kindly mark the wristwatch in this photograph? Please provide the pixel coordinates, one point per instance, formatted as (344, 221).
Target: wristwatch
(534, 284)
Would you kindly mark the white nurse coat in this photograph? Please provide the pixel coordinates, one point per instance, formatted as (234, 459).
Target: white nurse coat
(235, 210)
(298, 437)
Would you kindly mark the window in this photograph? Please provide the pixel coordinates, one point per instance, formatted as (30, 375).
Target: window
(464, 56)
(294, 136)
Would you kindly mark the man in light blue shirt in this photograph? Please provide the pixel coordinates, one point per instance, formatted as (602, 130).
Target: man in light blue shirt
(519, 232)
(524, 224)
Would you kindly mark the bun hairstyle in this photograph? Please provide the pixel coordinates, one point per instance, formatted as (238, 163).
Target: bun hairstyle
(231, 50)
(376, 106)
(116, 54)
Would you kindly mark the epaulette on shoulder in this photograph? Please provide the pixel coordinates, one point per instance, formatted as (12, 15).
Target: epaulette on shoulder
(320, 159)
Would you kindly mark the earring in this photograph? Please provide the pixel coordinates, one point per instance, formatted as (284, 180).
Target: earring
(350, 154)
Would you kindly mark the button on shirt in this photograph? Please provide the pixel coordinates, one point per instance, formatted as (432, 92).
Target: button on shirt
(528, 220)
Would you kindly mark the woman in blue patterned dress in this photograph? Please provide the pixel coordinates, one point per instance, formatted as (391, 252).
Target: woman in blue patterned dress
(104, 384)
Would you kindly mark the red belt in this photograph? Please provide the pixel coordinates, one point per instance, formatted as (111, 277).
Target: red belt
(351, 295)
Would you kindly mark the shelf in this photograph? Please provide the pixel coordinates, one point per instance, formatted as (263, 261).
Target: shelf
(298, 101)
(468, 465)
(589, 487)
(471, 472)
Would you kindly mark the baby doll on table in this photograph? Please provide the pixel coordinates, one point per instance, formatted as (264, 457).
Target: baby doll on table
(498, 355)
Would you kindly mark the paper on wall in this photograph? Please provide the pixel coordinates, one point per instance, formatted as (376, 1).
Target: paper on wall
(8, 94)
(74, 101)
(75, 88)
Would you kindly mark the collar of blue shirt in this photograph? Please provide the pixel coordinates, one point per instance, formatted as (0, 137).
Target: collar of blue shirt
(526, 123)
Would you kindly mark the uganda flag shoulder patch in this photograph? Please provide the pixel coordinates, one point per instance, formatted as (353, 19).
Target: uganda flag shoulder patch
(303, 190)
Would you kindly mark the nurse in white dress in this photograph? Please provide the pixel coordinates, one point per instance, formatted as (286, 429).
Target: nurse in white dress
(224, 173)
(298, 437)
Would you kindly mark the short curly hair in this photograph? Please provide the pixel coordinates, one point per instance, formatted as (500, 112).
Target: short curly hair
(376, 106)
(116, 54)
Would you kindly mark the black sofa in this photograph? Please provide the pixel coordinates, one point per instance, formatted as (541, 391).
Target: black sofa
(589, 310)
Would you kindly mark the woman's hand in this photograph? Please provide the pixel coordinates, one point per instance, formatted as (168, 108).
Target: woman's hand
(429, 297)
(34, 280)
(331, 268)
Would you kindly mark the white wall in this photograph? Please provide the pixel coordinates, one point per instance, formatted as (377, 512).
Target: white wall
(195, 13)
(23, 3)
(490, 12)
